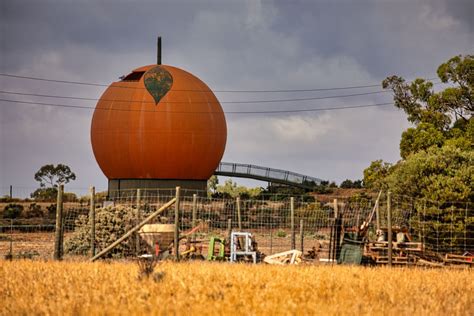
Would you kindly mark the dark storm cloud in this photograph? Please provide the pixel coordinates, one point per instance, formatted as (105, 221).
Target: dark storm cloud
(387, 37)
(33, 27)
(229, 45)
(462, 11)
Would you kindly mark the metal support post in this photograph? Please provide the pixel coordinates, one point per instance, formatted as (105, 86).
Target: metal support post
(292, 224)
(239, 215)
(301, 236)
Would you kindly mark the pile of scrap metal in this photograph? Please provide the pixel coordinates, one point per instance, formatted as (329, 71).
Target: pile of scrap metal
(351, 245)
(404, 250)
(346, 245)
(239, 247)
(244, 248)
(159, 240)
(314, 253)
(193, 246)
(467, 259)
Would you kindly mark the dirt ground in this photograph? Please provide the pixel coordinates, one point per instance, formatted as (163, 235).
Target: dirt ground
(40, 245)
(34, 245)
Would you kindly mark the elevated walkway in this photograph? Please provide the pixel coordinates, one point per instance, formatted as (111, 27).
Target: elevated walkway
(238, 170)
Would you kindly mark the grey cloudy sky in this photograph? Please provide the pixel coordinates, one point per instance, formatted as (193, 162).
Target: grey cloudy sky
(230, 45)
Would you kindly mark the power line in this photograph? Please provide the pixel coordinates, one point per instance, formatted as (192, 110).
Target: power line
(223, 102)
(217, 91)
(202, 112)
(53, 80)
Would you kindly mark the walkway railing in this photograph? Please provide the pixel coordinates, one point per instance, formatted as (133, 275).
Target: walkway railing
(266, 174)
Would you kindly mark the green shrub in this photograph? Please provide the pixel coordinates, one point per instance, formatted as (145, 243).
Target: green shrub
(111, 224)
(51, 210)
(69, 197)
(7, 199)
(281, 233)
(12, 210)
(45, 194)
(33, 210)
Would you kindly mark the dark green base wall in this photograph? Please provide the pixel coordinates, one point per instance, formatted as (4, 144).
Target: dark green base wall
(121, 187)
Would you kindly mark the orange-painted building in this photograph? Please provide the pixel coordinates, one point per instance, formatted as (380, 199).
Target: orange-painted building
(158, 127)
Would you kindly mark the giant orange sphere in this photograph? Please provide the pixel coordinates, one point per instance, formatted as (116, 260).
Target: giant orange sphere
(159, 122)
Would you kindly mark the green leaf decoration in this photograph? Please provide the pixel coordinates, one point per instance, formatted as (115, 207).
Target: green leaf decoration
(158, 82)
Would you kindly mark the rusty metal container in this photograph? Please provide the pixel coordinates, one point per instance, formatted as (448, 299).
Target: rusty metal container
(163, 234)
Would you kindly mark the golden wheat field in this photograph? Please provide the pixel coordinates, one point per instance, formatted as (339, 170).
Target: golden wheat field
(79, 288)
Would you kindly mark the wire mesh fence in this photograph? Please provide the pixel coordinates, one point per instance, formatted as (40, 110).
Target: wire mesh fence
(441, 227)
(20, 193)
(26, 238)
(278, 223)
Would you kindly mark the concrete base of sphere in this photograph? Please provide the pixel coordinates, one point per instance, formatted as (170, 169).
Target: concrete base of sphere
(123, 187)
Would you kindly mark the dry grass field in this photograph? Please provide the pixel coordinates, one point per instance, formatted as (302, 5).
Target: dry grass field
(79, 288)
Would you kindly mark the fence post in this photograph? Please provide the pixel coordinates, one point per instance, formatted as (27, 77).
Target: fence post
(229, 229)
(139, 219)
(271, 240)
(58, 238)
(194, 215)
(239, 215)
(437, 228)
(11, 239)
(333, 245)
(337, 230)
(292, 215)
(301, 236)
(377, 213)
(451, 244)
(92, 219)
(423, 241)
(389, 227)
(465, 228)
(176, 224)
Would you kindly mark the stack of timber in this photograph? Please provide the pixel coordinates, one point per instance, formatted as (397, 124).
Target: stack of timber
(283, 258)
(457, 260)
(413, 253)
(404, 250)
(403, 253)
